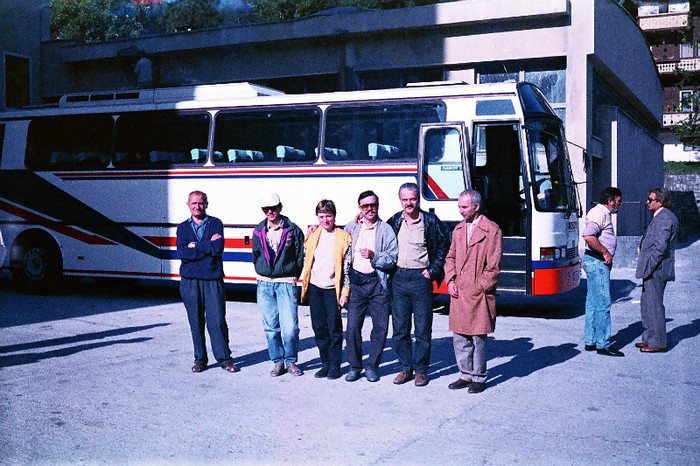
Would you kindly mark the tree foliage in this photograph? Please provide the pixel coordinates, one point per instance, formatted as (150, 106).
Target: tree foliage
(92, 20)
(277, 10)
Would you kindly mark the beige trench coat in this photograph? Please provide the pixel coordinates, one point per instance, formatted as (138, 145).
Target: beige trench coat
(475, 270)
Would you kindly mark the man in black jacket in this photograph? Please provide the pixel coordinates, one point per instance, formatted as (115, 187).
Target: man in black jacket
(423, 245)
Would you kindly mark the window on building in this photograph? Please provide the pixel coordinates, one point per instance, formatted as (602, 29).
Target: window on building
(368, 80)
(17, 92)
(687, 101)
(687, 51)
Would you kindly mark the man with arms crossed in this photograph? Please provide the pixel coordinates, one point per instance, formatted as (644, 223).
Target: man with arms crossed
(472, 266)
(278, 256)
(656, 267)
(601, 241)
(373, 255)
(200, 244)
(423, 245)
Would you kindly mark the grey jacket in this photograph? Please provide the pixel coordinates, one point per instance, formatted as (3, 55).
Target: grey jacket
(656, 250)
(387, 249)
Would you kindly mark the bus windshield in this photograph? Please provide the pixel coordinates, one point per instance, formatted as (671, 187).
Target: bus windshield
(550, 171)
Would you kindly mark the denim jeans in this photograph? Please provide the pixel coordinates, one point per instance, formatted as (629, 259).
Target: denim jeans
(598, 302)
(327, 325)
(277, 303)
(412, 295)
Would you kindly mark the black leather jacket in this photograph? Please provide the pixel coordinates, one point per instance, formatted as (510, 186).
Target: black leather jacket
(437, 240)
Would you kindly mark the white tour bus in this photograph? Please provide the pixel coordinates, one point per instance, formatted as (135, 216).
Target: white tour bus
(96, 185)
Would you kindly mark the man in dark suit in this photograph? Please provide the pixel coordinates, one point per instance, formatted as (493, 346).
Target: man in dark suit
(656, 267)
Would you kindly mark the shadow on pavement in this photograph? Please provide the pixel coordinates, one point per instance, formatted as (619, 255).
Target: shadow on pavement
(28, 358)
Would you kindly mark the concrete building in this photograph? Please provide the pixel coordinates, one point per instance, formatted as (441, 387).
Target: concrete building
(672, 30)
(609, 95)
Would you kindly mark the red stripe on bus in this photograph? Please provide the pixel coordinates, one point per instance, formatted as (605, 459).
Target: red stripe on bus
(259, 171)
(53, 225)
(145, 274)
(439, 193)
(169, 242)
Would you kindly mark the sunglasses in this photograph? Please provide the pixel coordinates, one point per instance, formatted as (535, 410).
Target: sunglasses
(270, 209)
(368, 206)
(651, 199)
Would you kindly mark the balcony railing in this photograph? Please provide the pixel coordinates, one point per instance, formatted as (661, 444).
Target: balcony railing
(671, 119)
(663, 21)
(685, 64)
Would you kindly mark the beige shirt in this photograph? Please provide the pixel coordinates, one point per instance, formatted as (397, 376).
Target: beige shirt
(364, 240)
(470, 228)
(413, 252)
(323, 268)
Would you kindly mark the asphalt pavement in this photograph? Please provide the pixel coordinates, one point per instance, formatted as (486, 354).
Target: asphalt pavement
(100, 374)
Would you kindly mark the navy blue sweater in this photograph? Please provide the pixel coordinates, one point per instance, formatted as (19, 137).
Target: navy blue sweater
(204, 261)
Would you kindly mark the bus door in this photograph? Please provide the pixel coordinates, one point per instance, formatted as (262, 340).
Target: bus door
(498, 176)
(443, 167)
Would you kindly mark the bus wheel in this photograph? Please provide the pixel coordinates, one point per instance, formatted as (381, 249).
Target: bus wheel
(39, 266)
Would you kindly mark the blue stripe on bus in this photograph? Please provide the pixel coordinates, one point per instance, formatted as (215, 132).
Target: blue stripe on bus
(171, 254)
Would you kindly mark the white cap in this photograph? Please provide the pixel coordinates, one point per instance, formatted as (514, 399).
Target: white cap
(270, 200)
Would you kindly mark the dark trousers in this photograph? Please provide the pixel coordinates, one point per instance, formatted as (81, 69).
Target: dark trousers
(205, 302)
(412, 293)
(653, 312)
(368, 298)
(327, 325)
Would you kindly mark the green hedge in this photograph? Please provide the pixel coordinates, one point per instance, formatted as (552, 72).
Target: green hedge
(681, 168)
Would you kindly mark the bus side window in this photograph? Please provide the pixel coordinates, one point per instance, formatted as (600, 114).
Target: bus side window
(267, 136)
(70, 142)
(161, 139)
(443, 172)
(378, 133)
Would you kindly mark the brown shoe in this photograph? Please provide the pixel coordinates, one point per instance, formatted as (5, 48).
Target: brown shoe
(640, 345)
(277, 370)
(199, 367)
(294, 370)
(420, 381)
(403, 377)
(230, 367)
(649, 349)
(458, 384)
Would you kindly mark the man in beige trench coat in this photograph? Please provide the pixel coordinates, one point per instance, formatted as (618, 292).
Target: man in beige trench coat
(471, 270)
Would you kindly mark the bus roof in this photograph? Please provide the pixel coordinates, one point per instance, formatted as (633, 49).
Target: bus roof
(246, 94)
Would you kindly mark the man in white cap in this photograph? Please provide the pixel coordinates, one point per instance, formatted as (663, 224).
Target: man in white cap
(278, 256)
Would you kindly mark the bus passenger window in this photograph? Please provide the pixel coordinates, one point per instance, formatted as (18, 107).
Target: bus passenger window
(267, 136)
(443, 172)
(378, 133)
(69, 142)
(161, 139)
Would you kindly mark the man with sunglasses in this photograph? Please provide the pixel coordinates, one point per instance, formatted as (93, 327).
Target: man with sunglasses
(373, 253)
(656, 267)
(278, 256)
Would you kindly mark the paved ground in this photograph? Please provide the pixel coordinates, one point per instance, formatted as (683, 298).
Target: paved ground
(100, 375)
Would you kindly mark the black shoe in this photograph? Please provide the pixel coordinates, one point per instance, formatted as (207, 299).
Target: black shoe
(477, 387)
(333, 373)
(371, 374)
(322, 373)
(609, 352)
(353, 375)
(589, 347)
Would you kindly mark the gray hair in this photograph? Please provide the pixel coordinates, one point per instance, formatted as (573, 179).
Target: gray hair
(473, 195)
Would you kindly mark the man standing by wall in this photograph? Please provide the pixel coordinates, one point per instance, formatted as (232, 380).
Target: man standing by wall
(200, 244)
(472, 266)
(656, 267)
(373, 254)
(601, 241)
(278, 256)
(423, 245)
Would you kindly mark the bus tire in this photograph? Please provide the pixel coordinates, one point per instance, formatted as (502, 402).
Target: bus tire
(37, 263)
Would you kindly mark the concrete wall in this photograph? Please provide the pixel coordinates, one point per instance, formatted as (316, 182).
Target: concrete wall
(23, 25)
